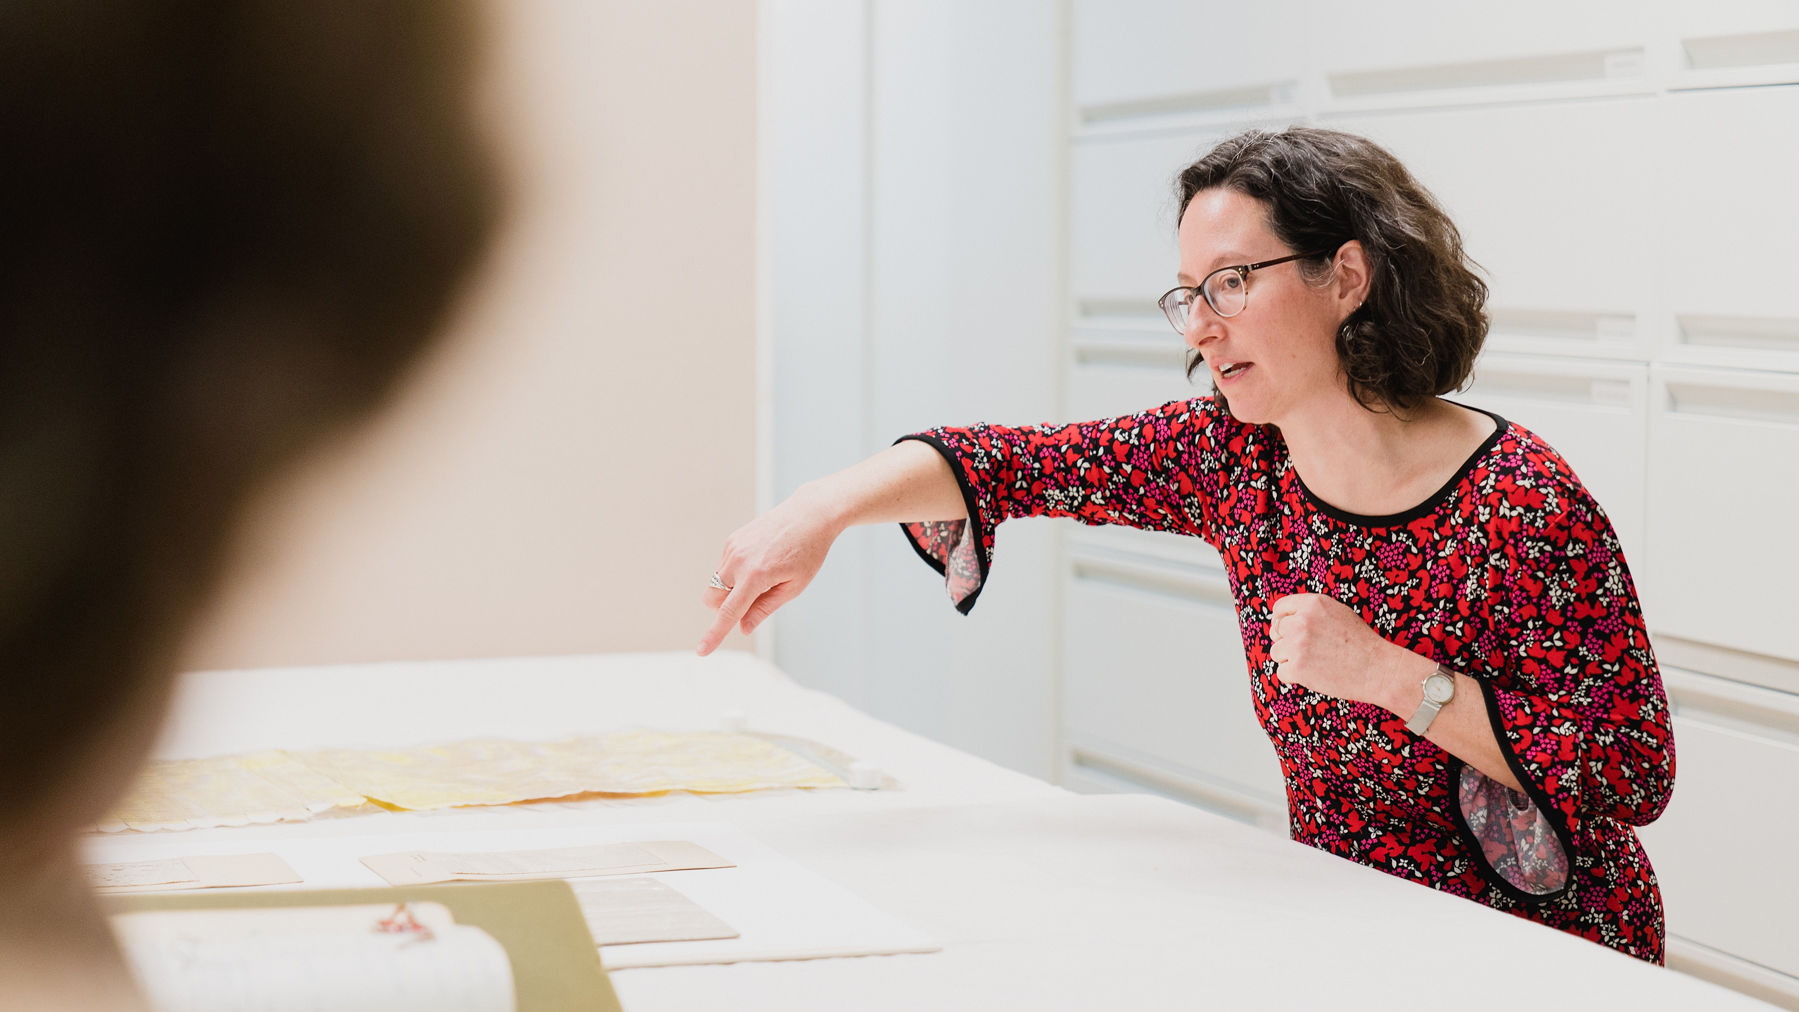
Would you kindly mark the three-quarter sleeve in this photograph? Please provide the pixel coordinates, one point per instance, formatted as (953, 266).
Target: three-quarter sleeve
(1159, 470)
(1577, 704)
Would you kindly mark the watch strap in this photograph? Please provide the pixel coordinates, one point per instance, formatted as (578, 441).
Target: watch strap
(1428, 709)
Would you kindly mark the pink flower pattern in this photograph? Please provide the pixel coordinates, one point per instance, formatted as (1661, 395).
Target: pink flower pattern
(1511, 573)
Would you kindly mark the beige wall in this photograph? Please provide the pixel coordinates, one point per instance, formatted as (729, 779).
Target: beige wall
(559, 476)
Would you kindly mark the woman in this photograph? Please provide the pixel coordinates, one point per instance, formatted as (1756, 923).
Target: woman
(1444, 643)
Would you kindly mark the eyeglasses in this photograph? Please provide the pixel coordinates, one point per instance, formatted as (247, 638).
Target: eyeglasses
(1226, 290)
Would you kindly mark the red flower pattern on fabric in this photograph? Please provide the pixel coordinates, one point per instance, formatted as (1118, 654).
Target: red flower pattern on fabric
(1511, 574)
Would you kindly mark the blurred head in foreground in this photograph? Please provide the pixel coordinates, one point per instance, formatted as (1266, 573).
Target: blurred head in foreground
(225, 227)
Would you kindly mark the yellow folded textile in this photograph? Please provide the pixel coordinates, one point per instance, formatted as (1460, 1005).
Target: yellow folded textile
(289, 786)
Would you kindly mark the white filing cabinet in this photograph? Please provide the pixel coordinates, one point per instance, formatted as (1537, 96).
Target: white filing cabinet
(1626, 174)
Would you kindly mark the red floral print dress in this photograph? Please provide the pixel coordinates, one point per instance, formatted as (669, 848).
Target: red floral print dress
(1510, 574)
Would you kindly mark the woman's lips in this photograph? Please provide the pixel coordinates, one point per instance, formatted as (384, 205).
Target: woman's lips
(1236, 373)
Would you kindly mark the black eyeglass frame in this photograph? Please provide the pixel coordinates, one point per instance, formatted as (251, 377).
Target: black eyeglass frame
(1243, 271)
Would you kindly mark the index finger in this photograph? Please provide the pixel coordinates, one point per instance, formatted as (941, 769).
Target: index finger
(735, 604)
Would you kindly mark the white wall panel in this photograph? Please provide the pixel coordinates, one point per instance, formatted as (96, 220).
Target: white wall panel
(1728, 226)
(1732, 17)
(915, 269)
(1723, 468)
(1161, 678)
(1554, 202)
(1152, 54)
(1506, 45)
(963, 320)
(1153, 546)
(1122, 218)
(1724, 849)
(1106, 388)
(1090, 771)
(815, 107)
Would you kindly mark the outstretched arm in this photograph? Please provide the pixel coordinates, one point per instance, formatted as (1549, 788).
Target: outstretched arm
(768, 561)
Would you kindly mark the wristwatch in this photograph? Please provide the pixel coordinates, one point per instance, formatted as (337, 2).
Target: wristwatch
(1439, 689)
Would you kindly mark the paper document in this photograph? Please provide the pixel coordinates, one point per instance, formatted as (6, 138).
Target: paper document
(422, 867)
(634, 910)
(775, 907)
(194, 872)
(297, 959)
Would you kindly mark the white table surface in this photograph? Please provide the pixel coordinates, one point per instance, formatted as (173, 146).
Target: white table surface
(1041, 898)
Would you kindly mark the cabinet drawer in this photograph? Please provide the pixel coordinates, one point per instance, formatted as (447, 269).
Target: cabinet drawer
(1154, 671)
(1735, 178)
(1159, 546)
(1724, 849)
(1106, 387)
(1711, 33)
(1553, 203)
(1122, 218)
(1092, 771)
(1723, 464)
(1140, 52)
(1434, 37)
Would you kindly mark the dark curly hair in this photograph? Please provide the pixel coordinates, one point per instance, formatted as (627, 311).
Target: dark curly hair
(1423, 323)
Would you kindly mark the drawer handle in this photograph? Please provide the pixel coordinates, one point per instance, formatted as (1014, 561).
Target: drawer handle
(1249, 97)
(1754, 49)
(1236, 804)
(1564, 325)
(1547, 69)
(1744, 403)
(1156, 355)
(1764, 713)
(1551, 387)
(1213, 591)
(1721, 967)
(1750, 333)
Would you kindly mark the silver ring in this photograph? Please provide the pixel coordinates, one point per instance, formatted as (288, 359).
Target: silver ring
(718, 584)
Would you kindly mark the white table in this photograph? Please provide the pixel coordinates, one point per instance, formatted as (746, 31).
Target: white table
(1041, 898)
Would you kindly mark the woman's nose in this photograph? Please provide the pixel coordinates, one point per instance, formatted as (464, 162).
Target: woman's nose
(1202, 326)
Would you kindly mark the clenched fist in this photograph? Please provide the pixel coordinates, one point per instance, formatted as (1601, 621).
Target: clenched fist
(1319, 643)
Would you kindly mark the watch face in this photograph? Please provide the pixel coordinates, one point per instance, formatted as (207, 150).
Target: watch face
(1439, 687)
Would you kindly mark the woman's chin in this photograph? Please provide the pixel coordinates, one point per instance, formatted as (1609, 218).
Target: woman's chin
(1247, 413)
(1243, 410)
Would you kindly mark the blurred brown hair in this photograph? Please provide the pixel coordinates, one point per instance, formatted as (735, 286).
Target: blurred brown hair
(1424, 321)
(227, 226)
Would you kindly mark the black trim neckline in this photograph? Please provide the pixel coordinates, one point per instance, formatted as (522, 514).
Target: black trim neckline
(1430, 504)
